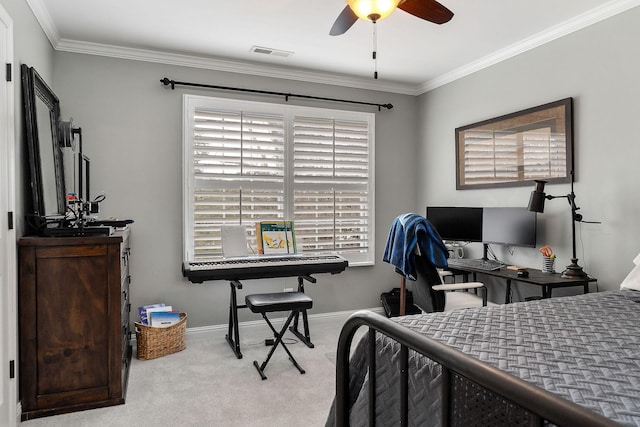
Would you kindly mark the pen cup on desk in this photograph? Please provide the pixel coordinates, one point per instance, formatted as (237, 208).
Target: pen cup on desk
(548, 264)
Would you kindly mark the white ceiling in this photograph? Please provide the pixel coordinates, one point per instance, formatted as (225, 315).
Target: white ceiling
(414, 56)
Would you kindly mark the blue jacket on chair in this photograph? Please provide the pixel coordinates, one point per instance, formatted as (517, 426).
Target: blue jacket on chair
(408, 231)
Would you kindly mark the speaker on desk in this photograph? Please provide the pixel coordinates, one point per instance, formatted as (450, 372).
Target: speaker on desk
(455, 251)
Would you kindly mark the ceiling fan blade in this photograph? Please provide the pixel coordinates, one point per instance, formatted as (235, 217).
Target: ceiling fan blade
(429, 10)
(344, 21)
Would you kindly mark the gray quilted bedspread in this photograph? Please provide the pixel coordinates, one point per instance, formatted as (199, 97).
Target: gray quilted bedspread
(584, 348)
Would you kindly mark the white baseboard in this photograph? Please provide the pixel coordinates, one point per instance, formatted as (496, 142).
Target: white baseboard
(221, 330)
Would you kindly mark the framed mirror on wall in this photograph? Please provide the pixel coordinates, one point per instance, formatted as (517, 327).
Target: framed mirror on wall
(517, 148)
(46, 169)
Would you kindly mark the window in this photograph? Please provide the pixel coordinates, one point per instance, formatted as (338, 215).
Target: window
(246, 162)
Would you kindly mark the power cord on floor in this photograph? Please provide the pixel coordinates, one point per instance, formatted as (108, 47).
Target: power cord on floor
(270, 341)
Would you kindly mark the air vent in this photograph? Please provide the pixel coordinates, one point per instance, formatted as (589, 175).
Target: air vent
(272, 52)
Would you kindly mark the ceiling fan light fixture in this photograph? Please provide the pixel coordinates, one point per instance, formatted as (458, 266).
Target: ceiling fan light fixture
(373, 10)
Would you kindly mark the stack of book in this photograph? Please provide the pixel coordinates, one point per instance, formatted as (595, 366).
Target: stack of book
(158, 315)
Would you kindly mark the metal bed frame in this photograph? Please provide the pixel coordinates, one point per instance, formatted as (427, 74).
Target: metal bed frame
(473, 392)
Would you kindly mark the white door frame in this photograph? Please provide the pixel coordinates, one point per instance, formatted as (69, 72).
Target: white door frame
(8, 266)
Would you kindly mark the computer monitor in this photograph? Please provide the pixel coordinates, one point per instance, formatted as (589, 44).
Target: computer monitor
(84, 178)
(461, 224)
(509, 226)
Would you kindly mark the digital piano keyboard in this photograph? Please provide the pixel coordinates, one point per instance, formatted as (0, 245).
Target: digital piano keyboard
(262, 267)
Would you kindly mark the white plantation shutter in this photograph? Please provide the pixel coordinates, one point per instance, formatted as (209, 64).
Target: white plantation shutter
(246, 162)
(331, 184)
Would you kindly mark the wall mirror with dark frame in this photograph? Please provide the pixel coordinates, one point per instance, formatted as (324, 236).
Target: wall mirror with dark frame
(46, 169)
(517, 148)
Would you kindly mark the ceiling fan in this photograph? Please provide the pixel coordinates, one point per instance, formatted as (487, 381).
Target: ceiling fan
(374, 10)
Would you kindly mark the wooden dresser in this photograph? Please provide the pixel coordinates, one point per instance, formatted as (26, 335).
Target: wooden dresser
(74, 323)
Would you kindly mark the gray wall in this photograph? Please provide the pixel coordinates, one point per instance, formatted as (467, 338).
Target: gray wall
(31, 47)
(132, 130)
(598, 68)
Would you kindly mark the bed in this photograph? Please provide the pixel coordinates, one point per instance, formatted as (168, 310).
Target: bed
(561, 361)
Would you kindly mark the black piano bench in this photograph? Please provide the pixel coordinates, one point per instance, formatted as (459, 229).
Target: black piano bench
(295, 302)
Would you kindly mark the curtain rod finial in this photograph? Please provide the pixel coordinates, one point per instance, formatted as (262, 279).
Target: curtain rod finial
(168, 82)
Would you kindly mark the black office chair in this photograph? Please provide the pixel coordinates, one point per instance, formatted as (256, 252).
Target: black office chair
(416, 249)
(296, 302)
(429, 291)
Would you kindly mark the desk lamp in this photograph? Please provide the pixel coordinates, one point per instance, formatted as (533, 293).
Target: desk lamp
(536, 204)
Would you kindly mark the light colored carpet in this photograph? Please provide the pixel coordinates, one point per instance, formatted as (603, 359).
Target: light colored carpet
(206, 385)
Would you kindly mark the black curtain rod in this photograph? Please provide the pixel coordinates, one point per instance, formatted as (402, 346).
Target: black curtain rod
(166, 81)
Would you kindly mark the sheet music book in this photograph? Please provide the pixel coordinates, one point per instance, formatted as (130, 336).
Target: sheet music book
(164, 319)
(234, 241)
(276, 237)
(153, 310)
(142, 311)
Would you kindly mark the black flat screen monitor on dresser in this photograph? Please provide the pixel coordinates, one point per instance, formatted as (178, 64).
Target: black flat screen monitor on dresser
(84, 178)
(462, 224)
(509, 226)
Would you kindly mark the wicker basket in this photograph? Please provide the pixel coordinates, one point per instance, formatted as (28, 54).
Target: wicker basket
(156, 342)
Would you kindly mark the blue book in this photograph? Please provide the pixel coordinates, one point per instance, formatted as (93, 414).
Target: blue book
(142, 311)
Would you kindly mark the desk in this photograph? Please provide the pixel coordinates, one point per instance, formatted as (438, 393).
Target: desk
(547, 281)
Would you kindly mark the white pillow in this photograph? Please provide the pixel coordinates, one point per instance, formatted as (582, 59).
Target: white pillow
(632, 281)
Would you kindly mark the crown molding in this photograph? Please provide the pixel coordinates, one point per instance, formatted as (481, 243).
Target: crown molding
(591, 17)
(289, 73)
(44, 19)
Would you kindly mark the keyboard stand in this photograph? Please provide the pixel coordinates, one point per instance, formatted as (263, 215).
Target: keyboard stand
(303, 268)
(233, 334)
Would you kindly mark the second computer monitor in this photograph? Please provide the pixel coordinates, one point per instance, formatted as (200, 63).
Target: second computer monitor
(509, 226)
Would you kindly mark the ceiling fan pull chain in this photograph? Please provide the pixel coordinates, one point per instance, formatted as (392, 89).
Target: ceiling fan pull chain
(375, 51)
